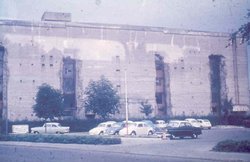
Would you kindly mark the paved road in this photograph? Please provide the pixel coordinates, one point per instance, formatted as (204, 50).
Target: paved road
(131, 149)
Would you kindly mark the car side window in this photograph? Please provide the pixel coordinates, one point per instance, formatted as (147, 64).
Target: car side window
(188, 124)
(140, 125)
(54, 125)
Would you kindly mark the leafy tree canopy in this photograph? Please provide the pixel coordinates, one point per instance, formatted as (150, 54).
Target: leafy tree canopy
(243, 31)
(146, 108)
(101, 98)
(49, 102)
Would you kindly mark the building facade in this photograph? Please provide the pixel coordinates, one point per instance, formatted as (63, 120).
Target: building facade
(178, 72)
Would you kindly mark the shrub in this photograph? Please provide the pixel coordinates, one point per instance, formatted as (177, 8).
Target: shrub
(96, 140)
(233, 146)
(74, 124)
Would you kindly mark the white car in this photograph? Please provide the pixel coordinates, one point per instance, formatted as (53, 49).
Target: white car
(205, 124)
(51, 127)
(101, 128)
(160, 124)
(194, 122)
(137, 128)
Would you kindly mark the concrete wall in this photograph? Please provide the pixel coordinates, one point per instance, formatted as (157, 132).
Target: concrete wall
(35, 52)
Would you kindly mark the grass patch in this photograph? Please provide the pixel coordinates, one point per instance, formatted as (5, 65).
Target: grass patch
(233, 146)
(66, 139)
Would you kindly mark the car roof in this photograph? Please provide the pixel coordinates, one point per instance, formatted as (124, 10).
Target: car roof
(129, 121)
(108, 122)
(190, 119)
(175, 120)
(141, 122)
(52, 123)
(178, 121)
(160, 120)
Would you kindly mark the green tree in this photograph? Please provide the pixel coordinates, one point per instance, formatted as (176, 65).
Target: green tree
(243, 31)
(227, 108)
(49, 102)
(146, 108)
(101, 98)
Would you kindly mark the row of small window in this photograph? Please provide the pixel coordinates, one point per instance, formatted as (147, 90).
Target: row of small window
(43, 65)
(20, 98)
(184, 68)
(159, 97)
(43, 57)
(21, 81)
(51, 65)
(159, 82)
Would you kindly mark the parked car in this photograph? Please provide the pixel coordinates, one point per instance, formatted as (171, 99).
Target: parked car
(149, 122)
(160, 132)
(160, 124)
(194, 122)
(137, 128)
(101, 128)
(179, 128)
(205, 124)
(51, 127)
(246, 123)
(115, 128)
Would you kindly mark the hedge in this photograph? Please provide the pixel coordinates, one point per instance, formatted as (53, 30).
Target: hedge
(66, 139)
(233, 146)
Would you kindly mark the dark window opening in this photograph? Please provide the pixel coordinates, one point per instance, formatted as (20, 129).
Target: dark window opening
(158, 81)
(217, 82)
(69, 79)
(2, 51)
(158, 97)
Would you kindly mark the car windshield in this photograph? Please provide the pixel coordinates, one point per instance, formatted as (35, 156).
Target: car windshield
(173, 124)
(160, 122)
(117, 125)
(131, 124)
(148, 122)
(102, 125)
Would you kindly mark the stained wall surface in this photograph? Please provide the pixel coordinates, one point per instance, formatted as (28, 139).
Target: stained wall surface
(35, 51)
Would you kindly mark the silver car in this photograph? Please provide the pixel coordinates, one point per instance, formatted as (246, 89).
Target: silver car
(51, 127)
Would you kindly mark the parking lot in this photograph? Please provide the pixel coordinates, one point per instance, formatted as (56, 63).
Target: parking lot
(136, 149)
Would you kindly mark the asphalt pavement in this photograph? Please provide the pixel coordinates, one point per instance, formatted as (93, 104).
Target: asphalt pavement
(133, 149)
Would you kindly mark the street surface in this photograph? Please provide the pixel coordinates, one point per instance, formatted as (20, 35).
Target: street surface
(131, 149)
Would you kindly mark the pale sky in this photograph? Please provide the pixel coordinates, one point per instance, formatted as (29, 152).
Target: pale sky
(205, 15)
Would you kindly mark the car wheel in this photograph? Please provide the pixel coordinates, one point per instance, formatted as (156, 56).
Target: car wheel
(133, 133)
(181, 137)
(194, 136)
(150, 133)
(36, 132)
(116, 133)
(101, 133)
(209, 127)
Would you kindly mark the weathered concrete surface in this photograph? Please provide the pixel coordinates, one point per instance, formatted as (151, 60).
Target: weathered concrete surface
(35, 51)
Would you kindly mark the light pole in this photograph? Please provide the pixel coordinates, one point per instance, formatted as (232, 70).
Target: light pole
(126, 98)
